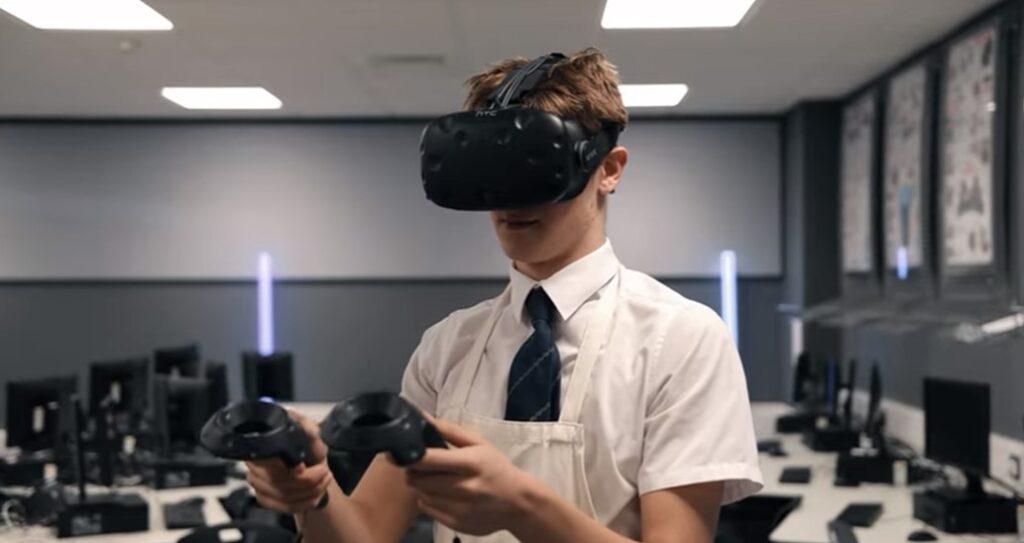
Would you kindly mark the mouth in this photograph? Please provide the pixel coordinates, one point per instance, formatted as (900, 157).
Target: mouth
(517, 225)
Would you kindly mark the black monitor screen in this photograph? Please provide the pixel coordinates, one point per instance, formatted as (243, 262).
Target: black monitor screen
(801, 377)
(121, 385)
(217, 377)
(957, 424)
(182, 361)
(35, 410)
(268, 376)
(181, 406)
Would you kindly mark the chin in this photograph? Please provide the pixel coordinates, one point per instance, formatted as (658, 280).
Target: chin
(516, 251)
(520, 250)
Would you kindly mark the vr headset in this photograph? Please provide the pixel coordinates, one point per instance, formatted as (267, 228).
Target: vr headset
(506, 156)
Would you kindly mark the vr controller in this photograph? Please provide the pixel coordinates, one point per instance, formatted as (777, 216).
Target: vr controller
(378, 422)
(255, 430)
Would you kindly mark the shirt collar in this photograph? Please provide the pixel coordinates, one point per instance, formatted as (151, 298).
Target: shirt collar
(570, 286)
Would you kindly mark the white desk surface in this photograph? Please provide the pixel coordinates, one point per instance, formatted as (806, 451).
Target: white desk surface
(212, 509)
(822, 501)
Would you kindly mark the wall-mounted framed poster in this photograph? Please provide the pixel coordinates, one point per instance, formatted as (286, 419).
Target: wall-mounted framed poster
(906, 180)
(970, 208)
(859, 151)
(857, 183)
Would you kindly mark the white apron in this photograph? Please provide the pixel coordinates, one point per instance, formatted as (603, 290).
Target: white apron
(550, 451)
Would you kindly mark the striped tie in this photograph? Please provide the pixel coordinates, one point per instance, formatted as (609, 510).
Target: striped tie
(534, 381)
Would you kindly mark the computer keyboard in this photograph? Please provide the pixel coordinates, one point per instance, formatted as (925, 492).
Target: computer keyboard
(796, 475)
(862, 515)
(187, 513)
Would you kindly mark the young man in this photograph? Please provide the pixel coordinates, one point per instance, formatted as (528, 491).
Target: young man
(588, 402)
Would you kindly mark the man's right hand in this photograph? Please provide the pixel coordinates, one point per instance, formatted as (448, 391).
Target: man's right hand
(295, 489)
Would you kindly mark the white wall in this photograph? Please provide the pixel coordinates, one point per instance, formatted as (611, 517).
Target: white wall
(200, 200)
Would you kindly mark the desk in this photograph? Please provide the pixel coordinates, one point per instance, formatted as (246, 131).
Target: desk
(212, 509)
(215, 514)
(822, 501)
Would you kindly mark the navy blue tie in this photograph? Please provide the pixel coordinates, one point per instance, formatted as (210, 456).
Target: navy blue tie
(534, 381)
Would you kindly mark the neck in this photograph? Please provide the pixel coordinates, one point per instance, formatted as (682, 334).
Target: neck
(539, 271)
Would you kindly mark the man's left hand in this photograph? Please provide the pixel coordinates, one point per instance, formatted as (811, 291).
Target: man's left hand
(471, 488)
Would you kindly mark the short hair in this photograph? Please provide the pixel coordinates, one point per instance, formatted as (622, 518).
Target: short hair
(584, 87)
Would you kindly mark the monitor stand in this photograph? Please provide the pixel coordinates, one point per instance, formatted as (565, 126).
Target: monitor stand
(966, 510)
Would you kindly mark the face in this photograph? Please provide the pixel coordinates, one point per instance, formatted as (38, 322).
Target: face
(553, 232)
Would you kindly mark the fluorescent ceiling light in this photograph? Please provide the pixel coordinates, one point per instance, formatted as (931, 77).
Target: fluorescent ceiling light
(221, 97)
(87, 15)
(652, 95)
(674, 13)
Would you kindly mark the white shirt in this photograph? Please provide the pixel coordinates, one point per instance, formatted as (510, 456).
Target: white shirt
(667, 404)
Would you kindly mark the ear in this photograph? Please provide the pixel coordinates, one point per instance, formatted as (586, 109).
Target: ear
(610, 171)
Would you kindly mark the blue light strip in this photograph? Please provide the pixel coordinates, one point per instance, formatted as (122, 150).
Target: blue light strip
(266, 305)
(730, 311)
(901, 263)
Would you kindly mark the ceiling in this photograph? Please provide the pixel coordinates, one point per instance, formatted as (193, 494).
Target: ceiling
(397, 58)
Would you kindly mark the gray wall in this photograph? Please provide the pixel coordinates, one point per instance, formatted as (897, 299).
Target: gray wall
(118, 238)
(171, 201)
(908, 355)
(810, 181)
(347, 336)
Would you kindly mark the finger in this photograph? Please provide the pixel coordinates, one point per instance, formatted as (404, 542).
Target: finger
(267, 502)
(447, 486)
(271, 465)
(311, 478)
(312, 430)
(263, 489)
(432, 510)
(291, 499)
(299, 478)
(457, 435)
(451, 461)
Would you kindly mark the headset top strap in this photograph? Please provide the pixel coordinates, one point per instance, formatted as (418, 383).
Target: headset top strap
(522, 81)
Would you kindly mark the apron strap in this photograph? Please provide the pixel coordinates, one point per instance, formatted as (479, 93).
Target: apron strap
(476, 354)
(594, 337)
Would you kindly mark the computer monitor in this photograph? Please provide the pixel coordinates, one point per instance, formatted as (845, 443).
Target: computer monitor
(851, 386)
(802, 378)
(119, 385)
(38, 410)
(832, 386)
(181, 405)
(268, 376)
(873, 421)
(183, 361)
(957, 426)
(217, 377)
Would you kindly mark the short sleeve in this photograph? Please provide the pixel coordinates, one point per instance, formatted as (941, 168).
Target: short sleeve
(698, 426)
(419, 382)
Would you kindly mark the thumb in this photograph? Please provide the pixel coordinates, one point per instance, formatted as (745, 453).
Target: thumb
(457, 435)
(316, 445)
